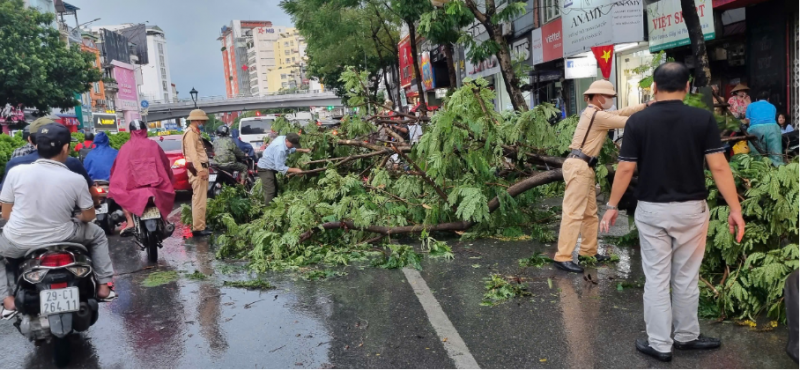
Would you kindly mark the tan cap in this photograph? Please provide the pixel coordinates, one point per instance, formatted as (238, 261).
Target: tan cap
(602, 87)
(388, 104)
(38, 123)
(740, 87)
(197, 115)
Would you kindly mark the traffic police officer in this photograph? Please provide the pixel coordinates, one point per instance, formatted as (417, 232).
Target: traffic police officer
(197, 164)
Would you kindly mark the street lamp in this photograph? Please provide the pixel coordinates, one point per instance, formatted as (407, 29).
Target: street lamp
(193, 93)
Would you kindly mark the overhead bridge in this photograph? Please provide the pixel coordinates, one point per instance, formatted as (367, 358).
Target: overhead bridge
(159, 111)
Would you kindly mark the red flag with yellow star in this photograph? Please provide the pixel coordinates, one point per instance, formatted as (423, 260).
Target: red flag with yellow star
(604, 55)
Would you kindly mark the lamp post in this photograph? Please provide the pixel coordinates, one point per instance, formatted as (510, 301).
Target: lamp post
(193, 93)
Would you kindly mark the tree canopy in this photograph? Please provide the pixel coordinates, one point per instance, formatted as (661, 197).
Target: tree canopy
(37, 69)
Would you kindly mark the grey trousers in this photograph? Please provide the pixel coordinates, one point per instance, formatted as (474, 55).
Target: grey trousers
(673, 241)
(269, 183)
(88, 234)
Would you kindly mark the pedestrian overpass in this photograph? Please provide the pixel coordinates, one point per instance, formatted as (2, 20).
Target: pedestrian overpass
(159, 111)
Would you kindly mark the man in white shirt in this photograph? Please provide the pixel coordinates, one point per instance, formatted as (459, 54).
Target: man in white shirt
(38, 201)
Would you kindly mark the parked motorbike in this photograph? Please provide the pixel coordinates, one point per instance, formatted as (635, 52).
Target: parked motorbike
(150, 230)
(55, 293)
(109, 214)
(218, 177)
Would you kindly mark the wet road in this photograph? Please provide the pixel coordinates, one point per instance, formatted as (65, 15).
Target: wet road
(375, 318)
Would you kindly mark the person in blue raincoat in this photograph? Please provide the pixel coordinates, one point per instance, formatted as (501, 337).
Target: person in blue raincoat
(100, 160)
(245, 147)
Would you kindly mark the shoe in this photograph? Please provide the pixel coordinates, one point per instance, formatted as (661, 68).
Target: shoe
(568, 266)
(201, 233)
(111, 296)
(126, 232)
(7, 314)
(644, 347)
(702, 342)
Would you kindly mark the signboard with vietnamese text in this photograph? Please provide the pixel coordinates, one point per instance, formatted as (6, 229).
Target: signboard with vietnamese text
(537, 53)
(667, 28)
(575, 68)
(552, 42)
(588, 23)
(406, 62)
(428, 82)
(127, 98)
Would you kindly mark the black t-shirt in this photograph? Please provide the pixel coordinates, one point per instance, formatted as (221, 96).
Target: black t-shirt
(669, 141)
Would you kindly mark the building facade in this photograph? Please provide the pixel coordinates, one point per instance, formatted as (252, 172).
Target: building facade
(290, 63)
(156, 76)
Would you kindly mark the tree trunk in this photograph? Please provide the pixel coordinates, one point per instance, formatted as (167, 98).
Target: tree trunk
(702, 71)
(412, 33)
(389, 89)
(451, 66)
(396, 80)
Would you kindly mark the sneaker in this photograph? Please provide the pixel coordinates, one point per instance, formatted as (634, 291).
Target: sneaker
(702, 342)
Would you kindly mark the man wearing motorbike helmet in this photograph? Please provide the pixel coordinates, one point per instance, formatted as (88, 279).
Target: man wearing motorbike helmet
(140, 172)
(228, 156)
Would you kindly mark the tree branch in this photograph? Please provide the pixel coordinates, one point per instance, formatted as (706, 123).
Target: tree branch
(423, 175)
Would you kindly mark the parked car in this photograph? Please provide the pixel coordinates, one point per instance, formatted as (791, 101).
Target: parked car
(171, 145)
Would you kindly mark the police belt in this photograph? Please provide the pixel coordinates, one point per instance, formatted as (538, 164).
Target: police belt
(577, 153)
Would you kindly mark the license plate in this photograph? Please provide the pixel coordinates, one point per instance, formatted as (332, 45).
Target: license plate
(151, 213)
(212, 177)
(103, 208)
(53, 301)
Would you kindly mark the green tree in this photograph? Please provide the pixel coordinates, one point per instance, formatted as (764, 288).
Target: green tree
(37, 69)
(444, 28)
(411, 11)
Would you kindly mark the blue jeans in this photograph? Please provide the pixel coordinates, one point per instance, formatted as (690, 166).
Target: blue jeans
(768, 137)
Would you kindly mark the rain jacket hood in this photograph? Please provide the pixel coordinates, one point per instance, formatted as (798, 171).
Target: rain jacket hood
(245, 147)
(99, 161)
(141, 171)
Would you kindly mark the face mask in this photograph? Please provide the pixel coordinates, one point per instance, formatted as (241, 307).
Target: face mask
(608, 103)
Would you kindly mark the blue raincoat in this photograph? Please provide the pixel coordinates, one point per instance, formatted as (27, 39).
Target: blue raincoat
(99, 161)
(245, 147)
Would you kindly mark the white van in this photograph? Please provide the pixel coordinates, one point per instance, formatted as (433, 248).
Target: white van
(253, 129)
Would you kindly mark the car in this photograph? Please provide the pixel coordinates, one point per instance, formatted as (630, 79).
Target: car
(171, 144)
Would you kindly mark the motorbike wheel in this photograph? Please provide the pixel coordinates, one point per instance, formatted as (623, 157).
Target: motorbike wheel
(107, 225)
(152, 247)
(61, 351)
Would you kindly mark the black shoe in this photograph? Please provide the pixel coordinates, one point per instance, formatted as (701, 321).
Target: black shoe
(201, 233)
(569, 266)
(702, 342)
(644, 347)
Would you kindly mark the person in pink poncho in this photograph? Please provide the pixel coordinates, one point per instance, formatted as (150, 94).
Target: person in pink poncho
(140, 172)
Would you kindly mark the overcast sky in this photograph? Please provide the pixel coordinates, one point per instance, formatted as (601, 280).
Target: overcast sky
(191, 28)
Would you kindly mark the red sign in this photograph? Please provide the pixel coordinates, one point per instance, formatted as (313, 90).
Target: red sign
(604, 55)
(406, 62)
(552, 42)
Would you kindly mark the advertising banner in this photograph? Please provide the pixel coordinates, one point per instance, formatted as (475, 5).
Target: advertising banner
(667, 28)
(406, 63)
(537, 52)
(428, 82)
(590, 23)
(127, 98)
(552, 42)
(580, 68)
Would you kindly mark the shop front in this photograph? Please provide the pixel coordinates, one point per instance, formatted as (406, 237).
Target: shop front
(548, 65)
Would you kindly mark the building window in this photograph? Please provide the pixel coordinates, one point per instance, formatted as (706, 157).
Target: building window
(551, 10)
(166, 97)
(283, 77)
(291, 43)
(285, 84)
(161, 48)
(285, 44)
(286, 52)
(96, 88)
(293, 59)
(164, 85)
(287, 60)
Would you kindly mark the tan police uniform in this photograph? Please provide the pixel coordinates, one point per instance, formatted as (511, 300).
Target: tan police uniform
(195, 152)
(579, 208)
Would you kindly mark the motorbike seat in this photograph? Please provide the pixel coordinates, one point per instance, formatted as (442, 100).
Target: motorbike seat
(52, 246)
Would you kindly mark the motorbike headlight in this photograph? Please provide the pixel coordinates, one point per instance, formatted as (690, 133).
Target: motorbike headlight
(79, 271)
(35, 276)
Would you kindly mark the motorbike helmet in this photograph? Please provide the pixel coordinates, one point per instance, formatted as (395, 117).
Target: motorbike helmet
(223, 130)
(137, 125)
(89, 136)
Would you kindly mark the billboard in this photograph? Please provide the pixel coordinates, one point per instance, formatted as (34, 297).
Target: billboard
(590, 23)
(115, 47)
(105, 121)
(428, 82)
(138, 35)
(406, 62)
(127, 97)
(552, 42)
(666, 27)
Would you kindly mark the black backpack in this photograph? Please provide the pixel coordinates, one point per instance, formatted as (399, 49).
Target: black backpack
(83, 153)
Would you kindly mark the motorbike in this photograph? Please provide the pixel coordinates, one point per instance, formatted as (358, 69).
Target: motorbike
(109, 214)
(55, 292)
(218, 177)
(150, 230)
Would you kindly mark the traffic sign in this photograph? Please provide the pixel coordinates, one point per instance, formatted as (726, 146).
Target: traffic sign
(145, 104)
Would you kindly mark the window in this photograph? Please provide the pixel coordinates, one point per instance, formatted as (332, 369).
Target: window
(164, 85)
(551, 10)
(291, 43)
(286, 52)
(96, 88)
(160, 48)
(285, 43)
(287, 60)
(283, 77)
(166, 97)
(292, 59)
(285, 84)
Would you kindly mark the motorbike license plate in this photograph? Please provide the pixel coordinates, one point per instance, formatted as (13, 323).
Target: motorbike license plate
(103, 209)
(151, 213)
(212, 177)
(53, 301)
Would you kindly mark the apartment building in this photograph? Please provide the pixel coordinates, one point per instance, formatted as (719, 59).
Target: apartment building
(248, 55)
(290, 62)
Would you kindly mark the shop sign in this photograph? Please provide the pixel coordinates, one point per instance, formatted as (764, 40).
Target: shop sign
(521, 49)
(590, 23)
(10, 114)
(406, 62)
(428, 82)
(552, 41)
(484, 68)
(666, 25)
(537, 55)
(580, 68)
(127, 98)
(441, 93)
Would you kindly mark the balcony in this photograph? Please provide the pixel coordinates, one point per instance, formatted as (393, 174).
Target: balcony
(110, 85)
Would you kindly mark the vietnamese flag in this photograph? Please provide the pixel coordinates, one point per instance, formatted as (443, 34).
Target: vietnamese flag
(604, 55)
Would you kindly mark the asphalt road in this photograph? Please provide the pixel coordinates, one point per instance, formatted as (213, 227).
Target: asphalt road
(379, 318)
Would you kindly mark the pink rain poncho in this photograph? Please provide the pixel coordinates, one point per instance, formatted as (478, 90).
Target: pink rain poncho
(141, 171)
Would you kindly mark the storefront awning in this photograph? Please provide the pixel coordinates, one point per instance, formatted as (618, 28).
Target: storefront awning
(733, 4)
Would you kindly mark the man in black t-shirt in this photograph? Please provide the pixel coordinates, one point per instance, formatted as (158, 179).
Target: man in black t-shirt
(668, 143)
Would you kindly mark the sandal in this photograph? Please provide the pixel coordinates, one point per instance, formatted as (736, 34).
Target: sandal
(127, 232)
(111, 296)
(7, 315)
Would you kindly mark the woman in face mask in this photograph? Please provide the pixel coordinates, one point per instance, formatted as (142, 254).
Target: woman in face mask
(579, 211)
